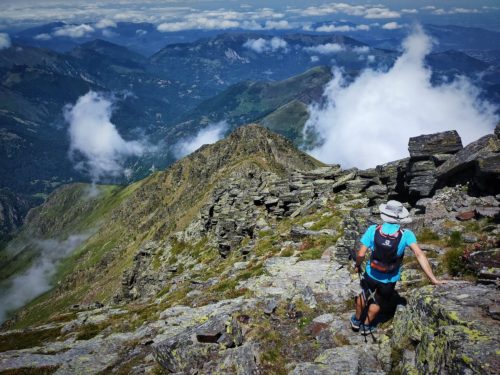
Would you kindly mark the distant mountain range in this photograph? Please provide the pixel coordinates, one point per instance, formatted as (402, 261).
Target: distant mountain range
(171, 95)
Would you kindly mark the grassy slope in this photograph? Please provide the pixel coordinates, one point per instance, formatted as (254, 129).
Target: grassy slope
(251, 101)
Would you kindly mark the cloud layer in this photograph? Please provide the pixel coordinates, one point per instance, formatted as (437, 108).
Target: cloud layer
(369, 121)
(4, 41)
(95, 141)
(37, 279)
(176, 16)
(205, 136)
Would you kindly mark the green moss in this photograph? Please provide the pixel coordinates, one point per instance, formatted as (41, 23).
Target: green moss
(467, 360)
(453, 316)
(474, 334)
(45, 370)
(28, 338)
(288, 252)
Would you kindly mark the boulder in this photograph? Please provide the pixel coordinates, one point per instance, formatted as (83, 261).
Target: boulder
(447, 331)
(195, 346)
(478, 162)
(425, 146)
(486, 264)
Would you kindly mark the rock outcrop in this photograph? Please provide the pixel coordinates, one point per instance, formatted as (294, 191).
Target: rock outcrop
(450, 329)
(427, 152)
(478, 164)
(13, 209)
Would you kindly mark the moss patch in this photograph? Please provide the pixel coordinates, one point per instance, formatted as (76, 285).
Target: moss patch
(28, 338)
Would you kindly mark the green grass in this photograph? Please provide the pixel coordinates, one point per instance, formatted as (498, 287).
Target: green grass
(455, 239)
(427, 236)
(28, 339)
(45, 370)
(454, 262)
(313, 248)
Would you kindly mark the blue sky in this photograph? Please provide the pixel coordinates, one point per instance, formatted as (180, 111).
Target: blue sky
(179, 15)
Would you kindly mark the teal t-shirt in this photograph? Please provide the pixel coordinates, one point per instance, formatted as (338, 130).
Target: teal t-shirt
(368, 240)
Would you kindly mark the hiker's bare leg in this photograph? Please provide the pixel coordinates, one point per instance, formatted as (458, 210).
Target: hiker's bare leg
(360, 305)
(373, 310)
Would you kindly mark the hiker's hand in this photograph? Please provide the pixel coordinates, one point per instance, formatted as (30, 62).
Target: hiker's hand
(356, 269)
(439, 282)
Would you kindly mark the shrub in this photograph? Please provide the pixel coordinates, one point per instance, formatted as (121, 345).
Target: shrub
(455, 239)
(454, 261)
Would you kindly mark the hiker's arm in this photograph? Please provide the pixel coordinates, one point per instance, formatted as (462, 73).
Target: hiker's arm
(360, 256)
(424, 263)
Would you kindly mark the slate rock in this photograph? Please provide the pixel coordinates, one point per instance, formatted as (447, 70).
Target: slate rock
(425, 146)
(479, 158)
(466, 215)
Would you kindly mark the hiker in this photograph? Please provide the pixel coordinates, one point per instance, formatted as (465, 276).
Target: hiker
(387, 243)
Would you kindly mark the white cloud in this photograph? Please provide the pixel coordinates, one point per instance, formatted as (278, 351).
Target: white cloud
(199, 22)
(105, 23)
(391, 26)
(141, 32)
(4, 41)
(441, 11)
(325, 49)
(95, 139)
(109, 33)
(341, 28)
(409, 11)
(371, 58)
(251, 25)
(37, 279)
(208, 135)
(465, 10)
(277, 25)
(262, 45)
(74, 31)
(362, 49)
(365, 11)
(379, 13)
(370, 120)
(314, 59)
(43, 36)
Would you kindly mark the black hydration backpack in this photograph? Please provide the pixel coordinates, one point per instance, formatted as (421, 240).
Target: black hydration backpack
(385, 257)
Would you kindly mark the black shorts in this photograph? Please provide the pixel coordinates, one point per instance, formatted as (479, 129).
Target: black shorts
(383, 291)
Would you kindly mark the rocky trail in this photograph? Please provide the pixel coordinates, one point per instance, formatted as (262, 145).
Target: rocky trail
(260, 280)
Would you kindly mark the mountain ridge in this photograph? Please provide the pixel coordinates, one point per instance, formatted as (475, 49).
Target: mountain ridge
(219, 261)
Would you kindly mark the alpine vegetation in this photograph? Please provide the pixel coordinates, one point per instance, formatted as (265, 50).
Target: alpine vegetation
(37, 279)
(96, 145)
(205, 136)
(367, 122)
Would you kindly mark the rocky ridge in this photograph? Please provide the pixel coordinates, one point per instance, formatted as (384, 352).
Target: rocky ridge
(258, 280)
